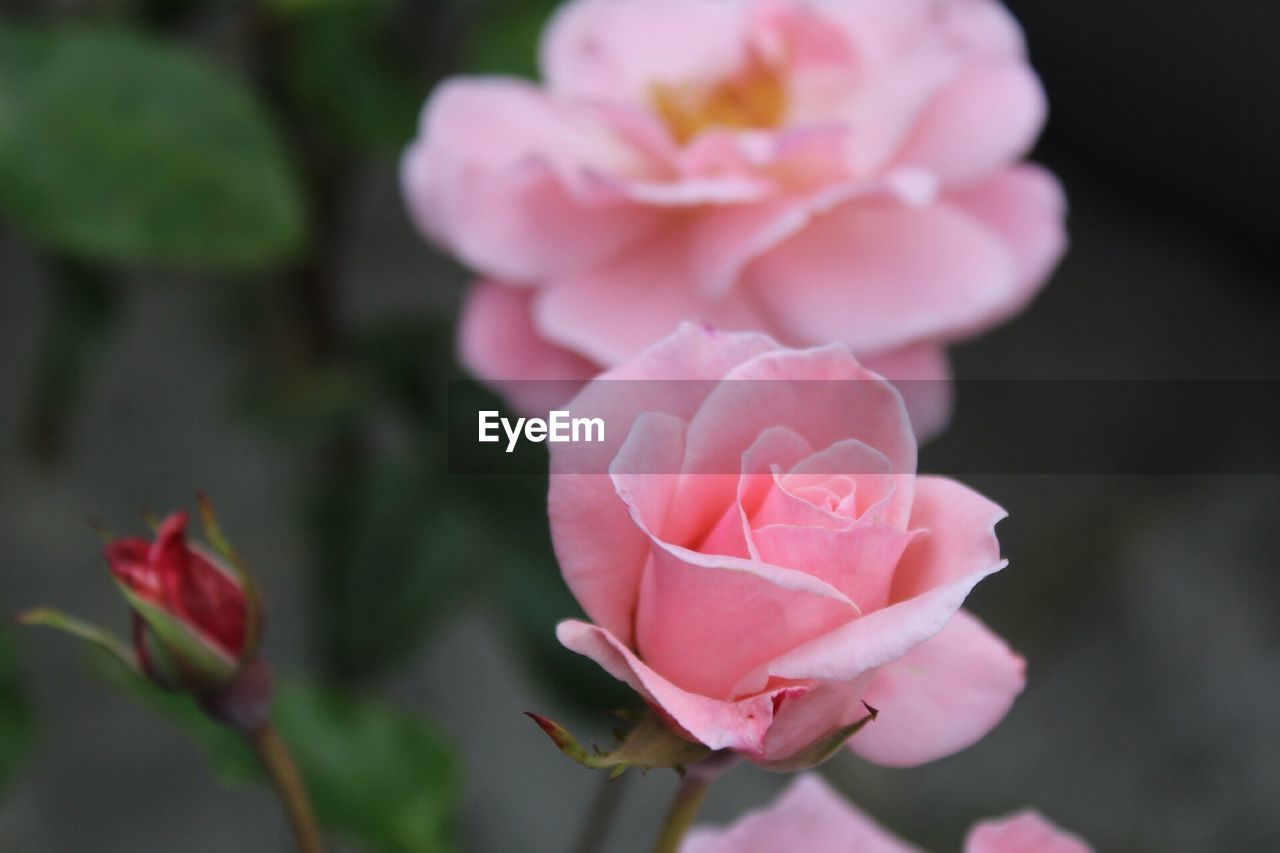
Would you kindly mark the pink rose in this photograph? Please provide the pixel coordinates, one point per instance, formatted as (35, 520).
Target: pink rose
(761, 557)
(809, 817)
(821, 170)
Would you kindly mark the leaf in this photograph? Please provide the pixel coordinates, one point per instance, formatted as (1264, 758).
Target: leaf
(345, 69)
(390, 564)
(49, 618)
(231, 760)
(823, 748)
(650, 744)
(117, 147)
(379, 777)
(17, 723)
(506, 39)
(375, 775)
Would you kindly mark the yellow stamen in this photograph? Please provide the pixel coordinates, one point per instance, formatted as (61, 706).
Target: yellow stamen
(754, 98)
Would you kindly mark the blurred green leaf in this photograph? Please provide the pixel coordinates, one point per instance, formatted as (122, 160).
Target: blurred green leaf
(116, 147)
(378, 777)
(346, 73)
(391, 551)
(230, 759)
(375, 775)
(505, 37)
(17, 724)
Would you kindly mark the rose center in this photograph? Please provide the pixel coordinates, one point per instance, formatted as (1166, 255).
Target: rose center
(752, 99)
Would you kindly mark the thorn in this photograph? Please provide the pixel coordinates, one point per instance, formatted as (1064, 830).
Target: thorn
(874, 712)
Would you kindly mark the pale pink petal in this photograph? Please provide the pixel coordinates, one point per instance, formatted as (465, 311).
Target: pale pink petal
(987, 117)
(1024, 832)
(1026, 207)
(606, 50)
(942, 697)
(740, 725)
(613, 310)
(878, 638)
(922, 374)
(879, 275)
(859, 561)
(802, 719)
(706, 621)
(497, 343)
(500, 175)
(870, 473)
(845, 402)
(959, 537)
(591, 528)
(809, 817)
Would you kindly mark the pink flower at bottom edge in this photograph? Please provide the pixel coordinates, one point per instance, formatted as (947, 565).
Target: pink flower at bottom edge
(809, 817)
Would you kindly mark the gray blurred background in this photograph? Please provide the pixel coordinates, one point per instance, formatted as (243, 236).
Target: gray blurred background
(1146, 605)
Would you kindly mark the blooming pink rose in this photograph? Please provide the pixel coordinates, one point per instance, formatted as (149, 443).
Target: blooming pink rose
(809, 817)
(760, 556)
(822, 170)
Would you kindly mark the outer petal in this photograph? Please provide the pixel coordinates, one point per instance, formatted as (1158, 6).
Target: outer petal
(740, 725)
(1025, 832)
(613, 310)
(879, 275)
(499, 173)
(705, 622)
(497, 342)
(922, 374)
(877, 638)
(1026, 207)
(959, 541)
(607, 50)
(591, 529)
(942, 697)
(987, 117)
(807, 818)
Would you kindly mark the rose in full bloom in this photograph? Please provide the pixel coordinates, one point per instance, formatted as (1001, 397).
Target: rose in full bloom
(821, 170)
(195, 626)
(758, 557)
(809, 817)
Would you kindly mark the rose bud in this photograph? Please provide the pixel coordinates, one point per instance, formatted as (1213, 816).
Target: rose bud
(195, 617)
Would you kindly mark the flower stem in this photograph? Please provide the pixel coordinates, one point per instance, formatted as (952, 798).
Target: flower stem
(604, 807)
(688, 799)
(279, 765)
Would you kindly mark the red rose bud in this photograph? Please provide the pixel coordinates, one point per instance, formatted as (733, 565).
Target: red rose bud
(196, 620)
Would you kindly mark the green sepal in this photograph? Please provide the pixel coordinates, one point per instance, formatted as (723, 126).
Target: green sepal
(203, 666)
(252, 600)
(100, 637)
(648, 745)
(822, 749)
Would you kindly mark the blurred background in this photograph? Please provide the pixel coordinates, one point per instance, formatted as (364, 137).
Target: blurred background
(207, 281)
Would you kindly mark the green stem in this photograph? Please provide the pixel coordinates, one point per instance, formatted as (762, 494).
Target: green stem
(688, 799)
(275, 758)
(604, 807)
